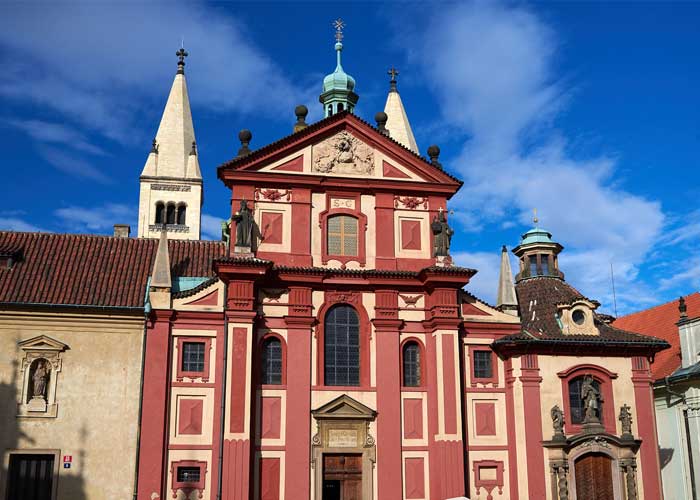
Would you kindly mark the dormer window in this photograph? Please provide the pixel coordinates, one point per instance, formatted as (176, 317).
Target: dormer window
(578, 316)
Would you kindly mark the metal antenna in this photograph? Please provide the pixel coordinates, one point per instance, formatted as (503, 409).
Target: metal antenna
(612, 279)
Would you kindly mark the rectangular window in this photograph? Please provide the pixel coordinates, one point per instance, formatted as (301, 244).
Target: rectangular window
(342, 235)
(533, 265)
(192, 356)
(482, 364)
(188, 474)
(544, 263)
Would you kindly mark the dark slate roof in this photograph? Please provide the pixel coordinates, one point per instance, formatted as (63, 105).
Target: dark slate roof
(660, 321)
(537, 301)
(88, 270)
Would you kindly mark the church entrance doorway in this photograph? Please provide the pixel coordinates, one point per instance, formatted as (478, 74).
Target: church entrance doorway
(342, 476)
(594, 479)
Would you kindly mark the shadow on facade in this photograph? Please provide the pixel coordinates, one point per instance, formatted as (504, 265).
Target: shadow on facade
(15, 435)
(665, 456)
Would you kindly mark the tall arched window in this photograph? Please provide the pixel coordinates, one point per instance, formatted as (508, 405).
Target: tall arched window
(341, 346)
(170, 214)
(411, 365)
(342, 235)
(577, 410)
(160, 212)
(181, 213)
(271, 361)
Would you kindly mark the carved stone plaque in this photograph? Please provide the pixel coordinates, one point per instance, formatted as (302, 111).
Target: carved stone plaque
(342, 438)
(343, 154)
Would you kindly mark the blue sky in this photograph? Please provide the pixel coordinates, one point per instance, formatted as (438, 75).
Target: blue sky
(587, 111)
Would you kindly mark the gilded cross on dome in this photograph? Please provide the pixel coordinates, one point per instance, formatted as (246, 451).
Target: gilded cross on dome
(338, 24)
(393, 72)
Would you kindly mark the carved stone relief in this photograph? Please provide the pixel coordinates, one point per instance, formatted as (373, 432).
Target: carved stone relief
(343, 154)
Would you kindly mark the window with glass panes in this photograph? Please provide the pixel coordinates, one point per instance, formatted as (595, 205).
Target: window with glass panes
(192, 357)
(544, 263)
(342, 235)
(272, 361)
(482, 364)
(341, 346)
(411, 365)
(577, 410)
(188, 474)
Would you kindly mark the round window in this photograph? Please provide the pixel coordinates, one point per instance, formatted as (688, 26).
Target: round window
(578, 316)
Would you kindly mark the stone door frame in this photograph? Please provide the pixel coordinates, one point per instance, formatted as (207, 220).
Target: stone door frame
(342, 427)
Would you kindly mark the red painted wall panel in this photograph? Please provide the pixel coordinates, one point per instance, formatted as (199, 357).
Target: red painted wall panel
(271, 409)
(236, 471)
(485, 419)
(449, 379)
(415, 478)
(189, 419)
(410, 235)
(269, 479)
(239, 371)
(412, 418)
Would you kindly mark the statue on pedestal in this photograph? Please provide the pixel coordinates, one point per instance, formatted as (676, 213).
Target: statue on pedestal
(443, 235)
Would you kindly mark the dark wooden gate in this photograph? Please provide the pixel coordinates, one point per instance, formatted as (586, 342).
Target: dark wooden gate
(594, 480)
(342, 477)
(30, 477)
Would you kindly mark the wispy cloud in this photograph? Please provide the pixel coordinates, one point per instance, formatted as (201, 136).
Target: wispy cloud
(57, 133)
(96, 219)
(72, 165)
(17, 224)
(100, 78)
(492, 68)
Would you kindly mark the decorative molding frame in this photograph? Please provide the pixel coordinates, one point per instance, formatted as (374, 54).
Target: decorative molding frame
(493, 379)
(49, 350)
(423, 386)
(41, 451)
(604, 378)
(188, 487)
(204, 374)
(355, 212)
(488, 485)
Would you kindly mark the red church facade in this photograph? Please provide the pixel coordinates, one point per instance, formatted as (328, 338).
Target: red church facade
(338, 357)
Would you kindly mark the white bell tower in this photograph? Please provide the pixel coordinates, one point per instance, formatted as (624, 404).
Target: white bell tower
(171, 182)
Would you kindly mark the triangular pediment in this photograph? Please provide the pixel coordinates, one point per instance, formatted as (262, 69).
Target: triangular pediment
(42, 343)
(342, 146)
(344, 407)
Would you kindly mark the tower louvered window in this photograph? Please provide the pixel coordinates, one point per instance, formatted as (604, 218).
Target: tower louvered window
(411, 365)
(272, 361)
(341, 336)
(342, 235)
(170, 216)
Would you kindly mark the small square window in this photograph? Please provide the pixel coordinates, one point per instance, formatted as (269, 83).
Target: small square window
(482, 364)
(188, 474)
(193, 356)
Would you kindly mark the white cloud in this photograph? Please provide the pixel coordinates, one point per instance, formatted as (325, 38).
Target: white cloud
(98, 63)
(211, 227)
(96, 219)
(484, 284)
(73, 165)
(56, 133)
(492, 69)
(15, 224)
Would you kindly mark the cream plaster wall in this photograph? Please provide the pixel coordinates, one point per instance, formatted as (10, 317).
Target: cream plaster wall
(97, 395)
(148, 198)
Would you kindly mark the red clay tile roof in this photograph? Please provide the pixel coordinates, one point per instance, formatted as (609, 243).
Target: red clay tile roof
(538, 299)
(660, 321)
(87, 270)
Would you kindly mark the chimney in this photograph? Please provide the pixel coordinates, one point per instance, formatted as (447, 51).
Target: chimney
(122, 230)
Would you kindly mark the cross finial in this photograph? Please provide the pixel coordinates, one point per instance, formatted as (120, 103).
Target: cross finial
(339, 24)
(392, 72)
(181, 54)
(534, 218)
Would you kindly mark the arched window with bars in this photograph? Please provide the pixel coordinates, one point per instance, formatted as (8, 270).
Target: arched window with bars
(160, 212)
(181, 214)
(271, 360)
(411, 360)
(341, 346)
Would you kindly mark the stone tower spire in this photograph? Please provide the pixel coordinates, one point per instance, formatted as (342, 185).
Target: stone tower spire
(171, 181)
(338, 87)
(398, 125)
(506, 301)
(161, 281)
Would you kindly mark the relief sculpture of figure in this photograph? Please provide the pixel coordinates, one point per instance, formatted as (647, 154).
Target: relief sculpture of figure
(244, 225)
(39, 379)
(443, 235)
(625, 419)
(557, 420)
(591, 400)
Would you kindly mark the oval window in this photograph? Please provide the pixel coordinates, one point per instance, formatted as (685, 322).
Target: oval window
(578, 316)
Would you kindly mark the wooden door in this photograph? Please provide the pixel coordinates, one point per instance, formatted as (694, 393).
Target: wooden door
(594, 480)
(30, 477)
(342, 477)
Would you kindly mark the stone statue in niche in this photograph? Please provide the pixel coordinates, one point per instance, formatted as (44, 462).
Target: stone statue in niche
(40, 378)
(443, 235)
(343, 154)
(557, 421)
(591, 400)
(625, 419)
